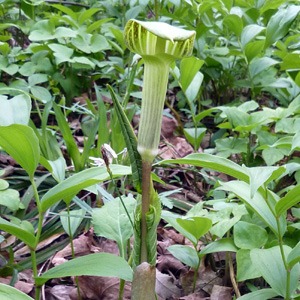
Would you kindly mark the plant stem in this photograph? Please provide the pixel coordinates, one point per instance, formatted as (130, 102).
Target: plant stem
(156, 10)
(232, 277)
(72, 249)
(146, 178)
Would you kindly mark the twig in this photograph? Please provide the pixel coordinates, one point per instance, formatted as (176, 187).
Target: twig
(67, 3)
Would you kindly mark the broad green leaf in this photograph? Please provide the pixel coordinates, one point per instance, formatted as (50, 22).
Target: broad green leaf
(20, 142)
(245, 268)
(296, 141)
(71, 186)
(249, 32)
(290, 199)
(41, 93)
(253, 49)
(249, 236)
(185, 254)
(269, 263)
(3, 183)
(111, 222)
(24, 235)
(8, 292)
(62, 53)
(97, 264)
(221, 245)
(212, 162)
(263, 294)
(294, 256)
(130, 140)
(57, 167)
(194, 87)
(226, 218)
(188, 69)
(97, 24)
(196, 226)
(257, 204)
(234, 23)
(205, 113)
(15, 110)
(280, 23)
(66, 10)
(271, 4)
(195, 136)
(258, 65)
(74, 218)
(260, 176)
(10, 198)
(87, 14)
(272, 155)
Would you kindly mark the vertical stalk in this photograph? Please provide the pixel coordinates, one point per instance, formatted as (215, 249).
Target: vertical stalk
(146, 179)
(72, 249)
(154, 93)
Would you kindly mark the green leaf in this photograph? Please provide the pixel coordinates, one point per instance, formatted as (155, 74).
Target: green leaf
(296, 141)
(74, 217)
(280, 23)
(41, 93)
(8, 292)
(260, 176)
(10, 198)
(263, 294)
(272, 155)
(195, 136)
(269, 263)
(97, 264)
(65, 10)
(68, 137)
(3, 183)
(131, 142)
(71, 186)
(15, 110)
(234, 23)
(245, 268)
(24, 235)
(258, 65)
(221, 245)
(249, 236)
(87, 14)
(290, 199)
(257, 203)
(212, 162)
(111, 222)
(188, 69)
(196, 226)
(294, 256)
(20, 142)
(249, 32)
(185, 254)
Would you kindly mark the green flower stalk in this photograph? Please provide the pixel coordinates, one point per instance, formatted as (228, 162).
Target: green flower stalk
(159, 45)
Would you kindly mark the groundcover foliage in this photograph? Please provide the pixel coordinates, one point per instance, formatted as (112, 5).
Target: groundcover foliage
(72, 158)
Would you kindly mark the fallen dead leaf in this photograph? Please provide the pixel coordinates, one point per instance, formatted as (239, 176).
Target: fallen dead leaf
(221, 293)
(195, 296)
(165, 286)
(59, 292)
(206, 279)
(100, 288)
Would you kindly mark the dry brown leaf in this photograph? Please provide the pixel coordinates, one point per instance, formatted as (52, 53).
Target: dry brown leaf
(100, 288)
(221, 293)
(59, 292)
(206, 279)
(22, 286)
(195, 296)
(165, 286)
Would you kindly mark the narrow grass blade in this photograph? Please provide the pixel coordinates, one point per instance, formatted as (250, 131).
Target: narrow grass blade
(131, 142)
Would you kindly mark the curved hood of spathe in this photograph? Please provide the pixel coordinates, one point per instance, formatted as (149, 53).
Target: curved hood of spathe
(155, 38)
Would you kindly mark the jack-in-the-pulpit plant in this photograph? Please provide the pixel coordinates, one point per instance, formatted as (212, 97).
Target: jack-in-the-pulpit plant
(159, 45)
